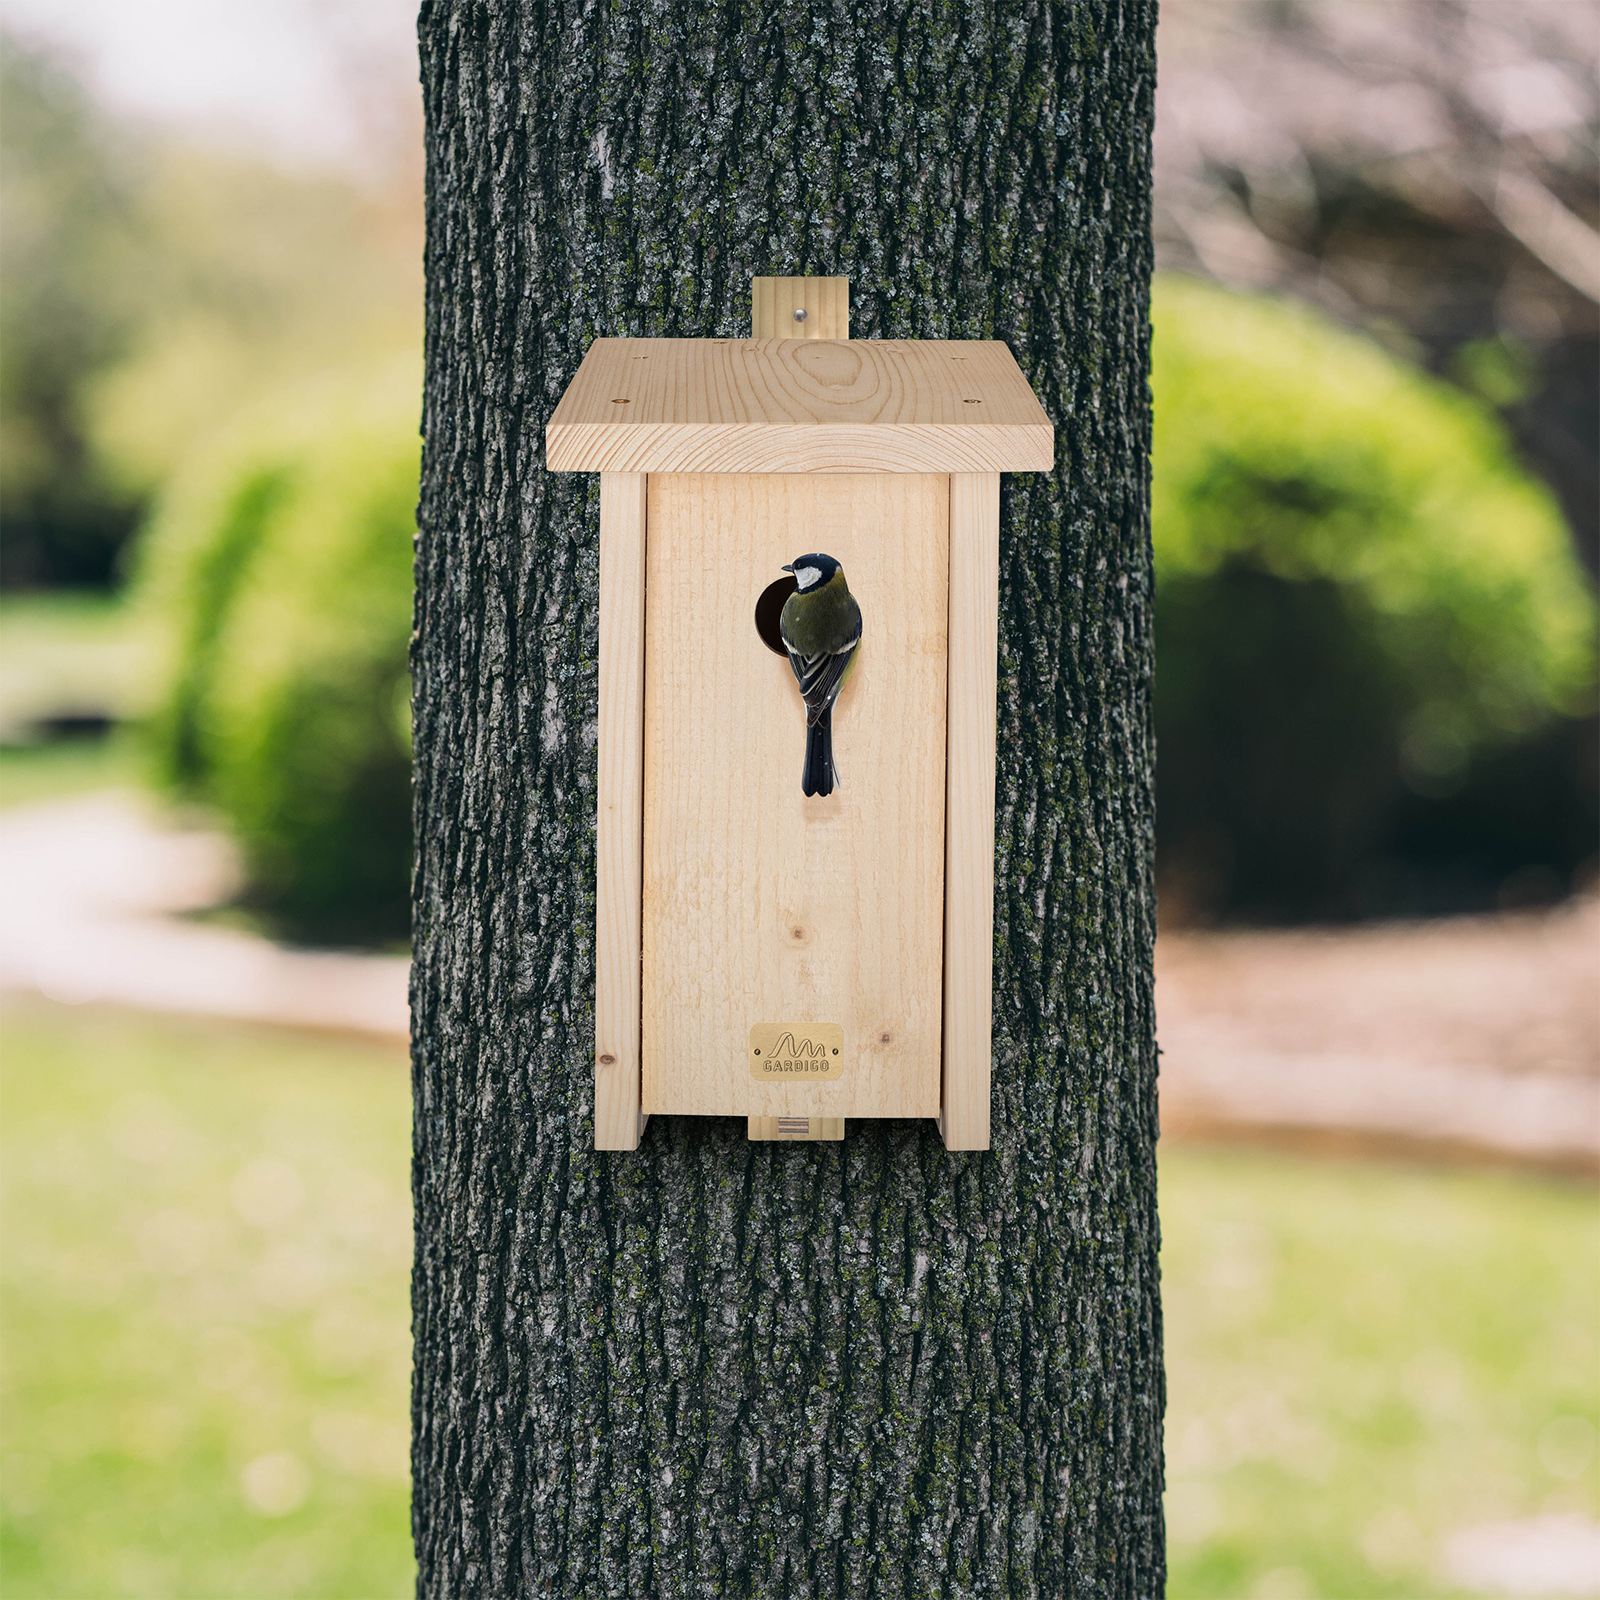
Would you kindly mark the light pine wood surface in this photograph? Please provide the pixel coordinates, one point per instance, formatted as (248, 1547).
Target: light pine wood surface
(816, 1130)
(799, 406)
(761, 905)
(969, 811)
(619, 840)
(825, 301)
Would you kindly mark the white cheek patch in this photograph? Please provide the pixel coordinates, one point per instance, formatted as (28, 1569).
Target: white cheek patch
(806, 576)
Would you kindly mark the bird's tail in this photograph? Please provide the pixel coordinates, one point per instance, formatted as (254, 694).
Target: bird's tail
(818, 776)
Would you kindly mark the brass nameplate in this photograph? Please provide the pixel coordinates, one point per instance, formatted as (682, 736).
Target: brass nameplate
(789, 1051)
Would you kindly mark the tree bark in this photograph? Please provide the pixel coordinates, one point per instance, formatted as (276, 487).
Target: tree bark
(716, 1367)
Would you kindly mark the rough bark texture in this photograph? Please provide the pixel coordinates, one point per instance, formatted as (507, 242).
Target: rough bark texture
(711, 1367)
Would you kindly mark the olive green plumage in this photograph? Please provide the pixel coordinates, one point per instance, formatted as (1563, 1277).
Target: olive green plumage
(821, 629)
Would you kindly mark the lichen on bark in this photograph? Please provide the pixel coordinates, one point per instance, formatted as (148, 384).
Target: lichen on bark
(712, 1367)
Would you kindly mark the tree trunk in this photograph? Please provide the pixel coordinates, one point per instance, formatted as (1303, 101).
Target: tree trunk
(716, 1367)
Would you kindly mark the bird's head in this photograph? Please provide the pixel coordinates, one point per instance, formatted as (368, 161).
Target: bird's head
(811, 572)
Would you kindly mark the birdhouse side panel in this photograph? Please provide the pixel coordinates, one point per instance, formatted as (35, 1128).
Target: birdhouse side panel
(763, 906)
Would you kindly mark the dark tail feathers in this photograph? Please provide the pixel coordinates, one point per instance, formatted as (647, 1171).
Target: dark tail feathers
(818, 775)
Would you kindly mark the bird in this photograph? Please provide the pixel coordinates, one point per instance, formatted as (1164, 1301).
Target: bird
(820, 626)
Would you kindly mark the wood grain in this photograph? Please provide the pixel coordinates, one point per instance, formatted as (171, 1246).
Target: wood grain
(761, 905)
(817, 1129)
(773, 303)
(825, 301)
(969, 809)
(799, 406)
(619, 835)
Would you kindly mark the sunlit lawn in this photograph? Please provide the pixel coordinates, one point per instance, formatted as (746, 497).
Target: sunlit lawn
(63, 656)
(72, 652)
(1362, 1360)
(205, 1256)
(206, 1240)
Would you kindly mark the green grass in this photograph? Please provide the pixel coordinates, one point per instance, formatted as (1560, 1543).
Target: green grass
(72, 652)
(204, 1312)
(64, 768)
(63, 655)
(1361, 1360)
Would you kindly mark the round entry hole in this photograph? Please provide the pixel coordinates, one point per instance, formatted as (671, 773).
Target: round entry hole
(768, 608)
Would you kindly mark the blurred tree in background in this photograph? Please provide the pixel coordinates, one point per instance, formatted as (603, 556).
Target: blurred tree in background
(267, 279)
(1425, 173)
(70, 260)
(152, 287)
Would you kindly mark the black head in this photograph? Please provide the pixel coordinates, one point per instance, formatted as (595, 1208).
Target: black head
(811, 572)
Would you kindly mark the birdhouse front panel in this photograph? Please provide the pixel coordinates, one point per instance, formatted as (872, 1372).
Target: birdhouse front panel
(792, 944)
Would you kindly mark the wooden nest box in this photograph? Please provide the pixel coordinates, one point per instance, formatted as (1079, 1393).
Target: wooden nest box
(759, 953)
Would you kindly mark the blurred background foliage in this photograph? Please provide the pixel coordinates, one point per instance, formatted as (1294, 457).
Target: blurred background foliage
(1426, 172)
(1373, 508)
(1425, 175)
(152, 286)
(70, 257)
(278, 571)
(208, 465)
(1363, 601)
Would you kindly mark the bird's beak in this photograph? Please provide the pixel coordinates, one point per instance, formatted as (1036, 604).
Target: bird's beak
(786, 569)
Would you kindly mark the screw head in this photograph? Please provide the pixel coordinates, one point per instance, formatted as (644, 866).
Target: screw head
(800, 314)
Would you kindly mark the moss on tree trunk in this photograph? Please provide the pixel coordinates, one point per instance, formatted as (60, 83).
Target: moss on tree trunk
(712, 1367)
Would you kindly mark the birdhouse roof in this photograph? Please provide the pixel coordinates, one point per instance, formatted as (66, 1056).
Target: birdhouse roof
(799, 405)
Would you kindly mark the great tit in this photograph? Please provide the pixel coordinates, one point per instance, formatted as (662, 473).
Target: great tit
(820, 626)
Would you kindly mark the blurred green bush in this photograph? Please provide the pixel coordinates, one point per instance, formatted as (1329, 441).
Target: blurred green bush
(1361, 599)
(280, 563)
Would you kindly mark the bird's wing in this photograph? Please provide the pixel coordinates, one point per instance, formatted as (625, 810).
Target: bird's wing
(820, 677)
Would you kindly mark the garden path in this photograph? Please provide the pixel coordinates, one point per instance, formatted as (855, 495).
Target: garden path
(96, 905)
(1479, 1035)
